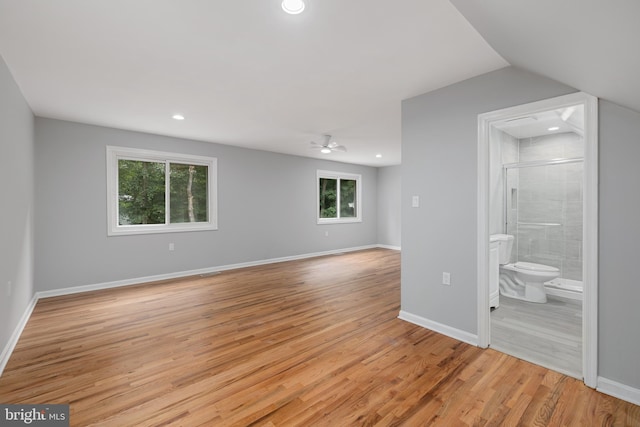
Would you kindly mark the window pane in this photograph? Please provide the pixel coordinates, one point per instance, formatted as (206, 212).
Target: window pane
(348, 208)
(140, 192)
(188, 193)
(328, 198)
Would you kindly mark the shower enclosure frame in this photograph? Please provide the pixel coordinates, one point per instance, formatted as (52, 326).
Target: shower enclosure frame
(524, 165)
(590, 221)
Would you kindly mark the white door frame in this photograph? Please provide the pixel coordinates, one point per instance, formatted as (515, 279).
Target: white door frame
(590, 221)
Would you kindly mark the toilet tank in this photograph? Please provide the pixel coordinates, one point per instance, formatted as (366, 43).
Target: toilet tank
(505, 244)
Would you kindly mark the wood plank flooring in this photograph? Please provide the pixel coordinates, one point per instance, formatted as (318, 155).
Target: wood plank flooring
(315, 342)
(546, 334)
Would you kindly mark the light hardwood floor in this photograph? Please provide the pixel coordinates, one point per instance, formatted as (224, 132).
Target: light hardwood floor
(547, 334)
(310, 343)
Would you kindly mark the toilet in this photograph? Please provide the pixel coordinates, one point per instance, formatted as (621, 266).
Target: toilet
(521, 280)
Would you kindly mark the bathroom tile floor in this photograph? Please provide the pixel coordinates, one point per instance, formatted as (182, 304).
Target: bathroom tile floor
(548, 334)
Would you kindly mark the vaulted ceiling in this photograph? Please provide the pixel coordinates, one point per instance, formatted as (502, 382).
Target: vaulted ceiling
(592, 45)
(245, 73)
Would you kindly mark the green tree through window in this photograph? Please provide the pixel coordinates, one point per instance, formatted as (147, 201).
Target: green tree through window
(153, 192)
(328, 198)
(188, 193)
(141, 190)
(348, 206)
(338, 197)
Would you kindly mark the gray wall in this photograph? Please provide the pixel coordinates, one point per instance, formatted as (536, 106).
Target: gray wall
(16, 208)
(266, 209)
(439, 151)
(439, 164)
(619, 292)
(389, 205)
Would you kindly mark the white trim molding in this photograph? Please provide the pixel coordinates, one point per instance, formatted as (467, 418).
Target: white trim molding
(11, 345)
(458, 334)
(115, 154)
(590, 221)
(395, 248)
(621, 391)
(186, 273)
(338, 176)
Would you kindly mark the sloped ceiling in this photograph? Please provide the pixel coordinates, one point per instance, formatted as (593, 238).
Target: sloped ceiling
(242, 72)
(592, 45)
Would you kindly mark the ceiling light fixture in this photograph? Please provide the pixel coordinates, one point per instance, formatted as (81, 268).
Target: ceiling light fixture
(379, 156)
(177, 117)
(293, 7)
(553, 128)
(325, 150)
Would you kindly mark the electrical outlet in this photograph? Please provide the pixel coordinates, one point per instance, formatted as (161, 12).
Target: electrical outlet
(415, 202)
(446, 278)
(326, 234)
(172, 247)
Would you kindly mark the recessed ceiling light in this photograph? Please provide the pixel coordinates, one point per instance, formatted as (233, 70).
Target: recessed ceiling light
(325, 150)
(293, 7)
(379, 156)
(177, 117)
(554, 128)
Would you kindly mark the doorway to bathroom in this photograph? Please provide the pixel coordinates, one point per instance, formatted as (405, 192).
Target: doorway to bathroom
(537, 190)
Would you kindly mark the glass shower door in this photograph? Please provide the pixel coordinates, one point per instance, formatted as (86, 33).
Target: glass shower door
(543, 211)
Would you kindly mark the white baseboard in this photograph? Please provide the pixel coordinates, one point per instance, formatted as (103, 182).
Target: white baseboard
(186, 273)
(395, 248)
(604, 385)
(8, 349)
(621, 391)
(439, 327)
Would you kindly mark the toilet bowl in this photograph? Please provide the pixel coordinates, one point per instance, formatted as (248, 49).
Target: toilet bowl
(525, 280)
(522, 280)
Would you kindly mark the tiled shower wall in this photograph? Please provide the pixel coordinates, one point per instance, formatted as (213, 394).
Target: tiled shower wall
(546, 217)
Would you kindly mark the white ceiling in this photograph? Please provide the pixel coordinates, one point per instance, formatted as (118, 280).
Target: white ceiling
(242, 72)
(245, 73)
(591, 45)
(570, 119)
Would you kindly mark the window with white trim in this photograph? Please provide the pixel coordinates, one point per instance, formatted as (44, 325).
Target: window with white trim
(339, 196)
(157, 192)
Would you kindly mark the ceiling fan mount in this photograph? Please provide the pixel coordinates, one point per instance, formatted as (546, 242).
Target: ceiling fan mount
(328, 146)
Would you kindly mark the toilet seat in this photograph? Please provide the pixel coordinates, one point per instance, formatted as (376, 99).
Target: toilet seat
(530, 266)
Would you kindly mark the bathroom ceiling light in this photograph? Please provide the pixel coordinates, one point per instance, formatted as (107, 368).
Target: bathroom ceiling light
(177, 117)
(293, 7)
(379, 156)
(325, 150)
(553, 128)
